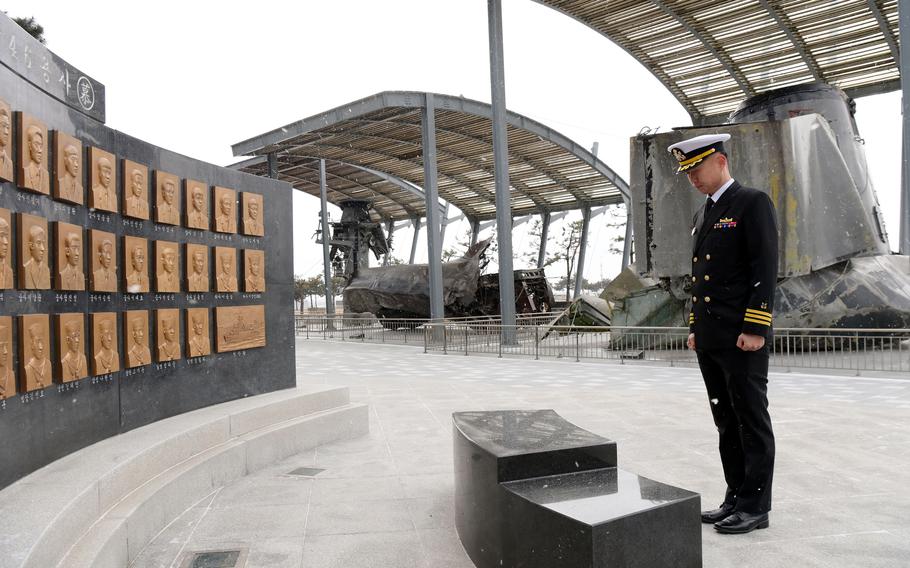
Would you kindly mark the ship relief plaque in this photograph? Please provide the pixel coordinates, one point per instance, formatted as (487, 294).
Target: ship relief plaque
(239, 327)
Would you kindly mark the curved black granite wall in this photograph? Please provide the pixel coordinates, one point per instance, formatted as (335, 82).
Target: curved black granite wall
(39, 427)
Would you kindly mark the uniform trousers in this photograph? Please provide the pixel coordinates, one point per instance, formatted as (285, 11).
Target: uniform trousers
(737, 385)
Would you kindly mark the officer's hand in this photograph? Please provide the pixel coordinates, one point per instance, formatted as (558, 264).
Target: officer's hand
(691, 341)
(749, 342)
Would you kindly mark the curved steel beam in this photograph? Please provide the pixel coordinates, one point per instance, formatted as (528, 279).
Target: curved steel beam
(722, 57)
(885, 28)
(272, 140)
(783, 22)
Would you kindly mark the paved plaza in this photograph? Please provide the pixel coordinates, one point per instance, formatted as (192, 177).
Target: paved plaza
(386, 500)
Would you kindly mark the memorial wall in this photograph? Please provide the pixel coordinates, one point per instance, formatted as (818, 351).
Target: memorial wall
(135, 283)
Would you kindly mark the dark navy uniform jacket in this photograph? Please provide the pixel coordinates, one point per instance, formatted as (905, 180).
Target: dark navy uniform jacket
(734, 268)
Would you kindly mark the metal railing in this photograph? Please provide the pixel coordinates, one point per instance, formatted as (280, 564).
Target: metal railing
(851, 350)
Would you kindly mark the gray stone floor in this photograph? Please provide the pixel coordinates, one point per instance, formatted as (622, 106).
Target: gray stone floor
(385, 500)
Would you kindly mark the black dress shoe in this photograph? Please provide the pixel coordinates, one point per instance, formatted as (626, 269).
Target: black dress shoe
(717, 514)
(741, 523)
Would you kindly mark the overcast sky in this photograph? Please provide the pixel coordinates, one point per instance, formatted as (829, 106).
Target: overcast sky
(196, 77)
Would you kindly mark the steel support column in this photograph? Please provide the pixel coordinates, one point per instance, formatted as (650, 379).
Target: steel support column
(544, 235)
(416, 222)
(582, 248)
(904, 27)
(326, 237)
(501, 171)
(434, 242)
(272, 160)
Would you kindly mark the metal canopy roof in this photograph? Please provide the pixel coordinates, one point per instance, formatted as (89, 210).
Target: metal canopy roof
(712, 55)
(381, 136)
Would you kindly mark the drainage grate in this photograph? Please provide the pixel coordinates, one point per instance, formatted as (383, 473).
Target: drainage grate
(306, 471)
(215, 559)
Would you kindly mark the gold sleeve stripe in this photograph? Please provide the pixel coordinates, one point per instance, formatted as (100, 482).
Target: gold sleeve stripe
(756, 316)
(758, 312)
(698, 157)
(763, 322)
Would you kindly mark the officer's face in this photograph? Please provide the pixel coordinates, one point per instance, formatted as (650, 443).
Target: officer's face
(198, 200)
(73, 340)
(37, 245)
(709, 175)
(106, 254)
(4, 129)
(169, 190)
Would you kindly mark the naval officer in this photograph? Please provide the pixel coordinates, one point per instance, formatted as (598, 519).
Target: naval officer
(734, 273)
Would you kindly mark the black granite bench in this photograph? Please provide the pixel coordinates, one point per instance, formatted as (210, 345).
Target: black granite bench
(533, 490)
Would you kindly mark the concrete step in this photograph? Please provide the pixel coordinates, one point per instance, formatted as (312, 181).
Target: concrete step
(174, 459)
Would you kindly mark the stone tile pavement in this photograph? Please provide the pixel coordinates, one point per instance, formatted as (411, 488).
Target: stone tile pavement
(385, 500)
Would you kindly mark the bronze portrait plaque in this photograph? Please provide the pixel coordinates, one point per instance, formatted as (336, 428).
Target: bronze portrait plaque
(103, 250)
(106, 358)
(6, 250)
(135, 190)
(70, 274)
(33, 173)
(167, 267)
(68, 169)
(136, 329)
(167, 204)
(225, 269)
(7, 372)
(35, 351)
(103, 180)
(6, 142)
(239, 327)
(168, 336)
(135, 255)
(225, 210)
(252, 214)
(71, 339)
(254, 270)
(197, 268)
(34, 272)
(197, 205)
(197, 332)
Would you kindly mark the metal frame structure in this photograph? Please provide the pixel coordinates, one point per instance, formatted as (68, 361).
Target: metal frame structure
(712, 55)
(406, 150)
